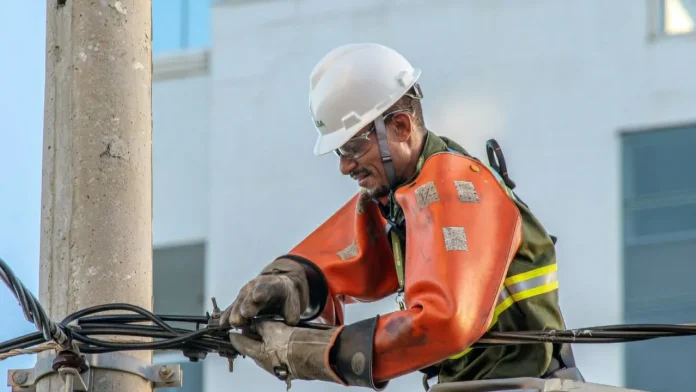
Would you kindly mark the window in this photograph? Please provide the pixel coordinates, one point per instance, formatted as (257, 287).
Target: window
(180, 24)
(178, 286)
(659, 242)
(677, 16)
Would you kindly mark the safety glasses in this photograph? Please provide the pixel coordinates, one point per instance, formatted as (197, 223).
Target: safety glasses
(359, 145)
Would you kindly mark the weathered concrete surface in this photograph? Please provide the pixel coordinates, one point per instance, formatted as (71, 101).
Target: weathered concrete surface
(96, 228)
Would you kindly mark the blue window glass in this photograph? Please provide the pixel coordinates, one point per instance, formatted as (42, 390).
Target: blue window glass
(659, 225)
(180, 24)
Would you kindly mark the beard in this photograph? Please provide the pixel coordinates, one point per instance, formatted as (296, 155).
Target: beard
(378, 192)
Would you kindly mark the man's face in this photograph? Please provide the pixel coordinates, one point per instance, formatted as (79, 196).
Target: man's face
(367, 168)
(360, 158)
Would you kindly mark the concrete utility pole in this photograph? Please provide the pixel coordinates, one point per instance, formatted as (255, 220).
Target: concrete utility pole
(96, 228)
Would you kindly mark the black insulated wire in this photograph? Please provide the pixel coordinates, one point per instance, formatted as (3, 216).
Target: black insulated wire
(124, 319)
(33, 311)
(83, 327)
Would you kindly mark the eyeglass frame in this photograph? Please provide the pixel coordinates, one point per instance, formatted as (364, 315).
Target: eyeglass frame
(365, 135)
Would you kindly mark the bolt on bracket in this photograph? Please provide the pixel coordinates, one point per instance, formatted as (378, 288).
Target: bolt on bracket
(161, 376)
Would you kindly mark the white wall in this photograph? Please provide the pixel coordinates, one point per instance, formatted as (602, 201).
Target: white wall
(553, 81)
(181, 140)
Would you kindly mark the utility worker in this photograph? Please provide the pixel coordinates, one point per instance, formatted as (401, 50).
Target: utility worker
(430, 223)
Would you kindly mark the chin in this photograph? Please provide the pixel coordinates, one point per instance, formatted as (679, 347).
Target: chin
(377, 192)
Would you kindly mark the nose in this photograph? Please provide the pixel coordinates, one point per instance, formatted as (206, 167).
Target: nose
(346, 165)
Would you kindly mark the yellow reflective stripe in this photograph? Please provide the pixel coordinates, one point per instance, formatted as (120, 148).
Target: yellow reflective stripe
(530, 274)
(523, 286)
(501, 307)
(535, 291)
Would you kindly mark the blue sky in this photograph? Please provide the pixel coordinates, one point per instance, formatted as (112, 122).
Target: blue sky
(23, 28)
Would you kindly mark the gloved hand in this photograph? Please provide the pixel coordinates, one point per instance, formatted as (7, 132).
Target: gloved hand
(302, 352)
(280, 289)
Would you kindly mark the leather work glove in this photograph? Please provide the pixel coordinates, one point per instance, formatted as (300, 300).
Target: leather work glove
(281, 289)
(290, 353)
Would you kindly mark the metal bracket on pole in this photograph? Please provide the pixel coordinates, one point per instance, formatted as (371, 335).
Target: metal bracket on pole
(161, 376)
(69, 376)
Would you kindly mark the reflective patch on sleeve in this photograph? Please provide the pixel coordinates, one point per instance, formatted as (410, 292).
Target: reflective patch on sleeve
(466, 191)
(426, 194)
(455, 238)
(349, 252)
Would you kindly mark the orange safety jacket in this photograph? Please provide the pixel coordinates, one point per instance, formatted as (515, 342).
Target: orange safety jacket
(464, 231)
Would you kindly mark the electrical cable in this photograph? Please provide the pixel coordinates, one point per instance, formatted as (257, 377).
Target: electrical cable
(78, 331)
(33, 311)
(122, 319)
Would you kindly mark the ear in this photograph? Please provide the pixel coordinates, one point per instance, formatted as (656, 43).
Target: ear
(403, 127)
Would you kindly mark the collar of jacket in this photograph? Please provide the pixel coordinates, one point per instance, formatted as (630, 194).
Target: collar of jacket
(432, 145)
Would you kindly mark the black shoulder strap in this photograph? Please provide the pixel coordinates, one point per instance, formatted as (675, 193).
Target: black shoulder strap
(496, 160)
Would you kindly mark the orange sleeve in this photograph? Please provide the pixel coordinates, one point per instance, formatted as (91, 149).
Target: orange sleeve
(462, 232)
(348, 259)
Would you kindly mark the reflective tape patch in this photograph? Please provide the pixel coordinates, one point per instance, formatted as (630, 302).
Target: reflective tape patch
(532, 283)
(514, 279)
(466, 191)
(455, 238)
(349, 252)
(519, 287)
(528, 284)
(426, 194)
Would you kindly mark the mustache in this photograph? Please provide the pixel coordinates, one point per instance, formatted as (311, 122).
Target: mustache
(358, 172)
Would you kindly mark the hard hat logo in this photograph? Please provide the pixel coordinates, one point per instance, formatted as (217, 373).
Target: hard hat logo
(353, 85)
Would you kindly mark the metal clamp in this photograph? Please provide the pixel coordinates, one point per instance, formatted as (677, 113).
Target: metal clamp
(214, 322)
(161, 376)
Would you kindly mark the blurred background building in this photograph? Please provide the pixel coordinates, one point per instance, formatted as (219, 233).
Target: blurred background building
(593, 102)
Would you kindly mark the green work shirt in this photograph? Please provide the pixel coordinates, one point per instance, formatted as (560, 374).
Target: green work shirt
(531, 286)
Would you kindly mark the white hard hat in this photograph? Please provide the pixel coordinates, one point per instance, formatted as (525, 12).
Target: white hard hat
(351, 86)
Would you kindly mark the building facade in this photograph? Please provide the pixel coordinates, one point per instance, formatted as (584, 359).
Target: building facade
(592, 102)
